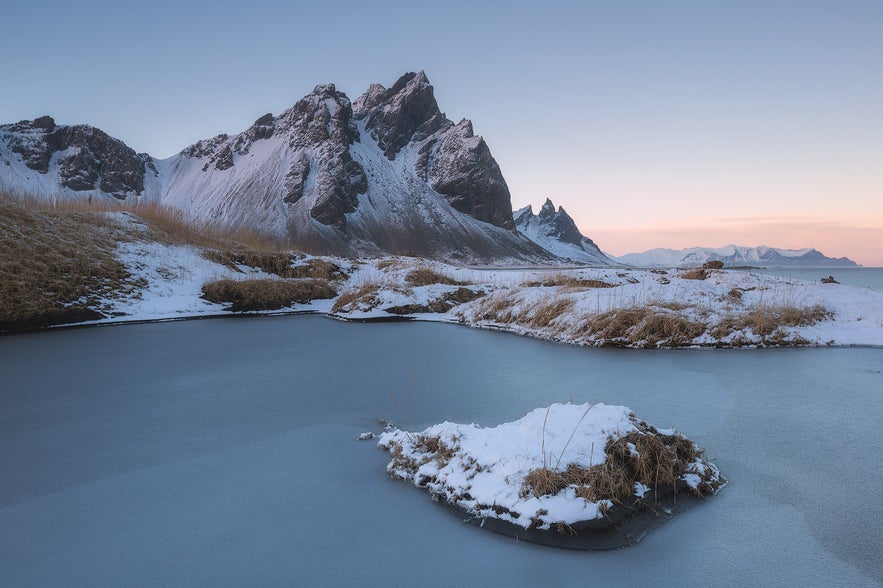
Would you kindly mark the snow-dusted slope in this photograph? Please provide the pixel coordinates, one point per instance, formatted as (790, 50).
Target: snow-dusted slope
(555, 231)
(393, 176)
(734, 255)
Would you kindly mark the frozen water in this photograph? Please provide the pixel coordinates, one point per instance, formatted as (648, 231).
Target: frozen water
(225, 452)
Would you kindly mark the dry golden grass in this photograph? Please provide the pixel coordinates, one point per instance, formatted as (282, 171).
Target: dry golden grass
(168, 225)
(390, 263)
(431, 448)
(447, 301)
(424, 276)
(695, 274)
(271, 262)
(570, 282)
(644, 456)
(279, 263)
(58, 257)
(251, 295)
(765, 320)
(318, 269)
(642, 327)
(364, 298)
(545, 314)
(56, 265)
(768, 322)
(497, 308)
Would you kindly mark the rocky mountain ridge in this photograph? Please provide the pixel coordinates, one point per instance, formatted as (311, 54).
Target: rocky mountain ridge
(387, 173)
(555, 231)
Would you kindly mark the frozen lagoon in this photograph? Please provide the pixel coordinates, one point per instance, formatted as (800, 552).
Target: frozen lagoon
(223, 452)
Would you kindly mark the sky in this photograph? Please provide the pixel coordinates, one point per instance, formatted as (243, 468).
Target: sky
(654, 124)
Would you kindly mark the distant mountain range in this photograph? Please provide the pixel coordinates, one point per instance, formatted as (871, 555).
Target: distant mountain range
(385, 174)
(734, 255)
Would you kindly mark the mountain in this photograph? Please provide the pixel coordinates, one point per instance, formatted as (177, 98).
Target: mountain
(734, 255)
(388, 173)
(556, 232)
(43, 158)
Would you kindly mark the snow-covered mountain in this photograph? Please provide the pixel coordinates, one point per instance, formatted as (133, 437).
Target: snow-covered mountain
(555, 231)
(388, 173)
(734, 255)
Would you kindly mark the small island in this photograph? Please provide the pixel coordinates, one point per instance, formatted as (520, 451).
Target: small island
(578, 476)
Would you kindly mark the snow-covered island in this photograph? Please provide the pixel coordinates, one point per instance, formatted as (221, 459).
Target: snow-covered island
(577, 476)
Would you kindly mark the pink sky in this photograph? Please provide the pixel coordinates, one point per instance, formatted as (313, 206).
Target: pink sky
(861, 242)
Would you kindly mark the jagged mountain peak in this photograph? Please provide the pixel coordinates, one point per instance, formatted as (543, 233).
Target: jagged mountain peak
(547, 211)
(555, 231)
(407, 111)
(388, 173)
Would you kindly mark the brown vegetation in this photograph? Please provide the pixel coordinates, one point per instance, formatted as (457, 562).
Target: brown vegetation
(391, 262)
(644, 456)
(251, 295)
(270, 262)
(768, 322)
(430, 447)
(695, 274)
(447, 301)
(642, 327)
(318, 269)
(56, 266)
(364, 298)
(168, 225)
(567, 281)
(545, 314)
(424, 276)
(279, 263)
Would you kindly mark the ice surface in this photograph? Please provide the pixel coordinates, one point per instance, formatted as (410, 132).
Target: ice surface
(224, 452)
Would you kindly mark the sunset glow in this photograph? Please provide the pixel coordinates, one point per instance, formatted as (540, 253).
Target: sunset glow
(654, 125)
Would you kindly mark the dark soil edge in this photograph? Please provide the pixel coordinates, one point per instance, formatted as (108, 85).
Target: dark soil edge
(623, 526)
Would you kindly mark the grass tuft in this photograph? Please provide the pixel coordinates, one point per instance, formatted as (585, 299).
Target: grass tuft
(57, 266)
(695, 274)
(570, 282)
(424, 276)
(643, 327)
(646, 456)
(252, 295)
(365, 297)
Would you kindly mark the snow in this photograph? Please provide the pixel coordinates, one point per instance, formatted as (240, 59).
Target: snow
(224, 452)
(530, 226)
(486, 473)
(736, 255)
(174, 275)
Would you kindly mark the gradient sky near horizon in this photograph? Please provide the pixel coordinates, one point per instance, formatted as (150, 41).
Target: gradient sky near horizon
(655, 124)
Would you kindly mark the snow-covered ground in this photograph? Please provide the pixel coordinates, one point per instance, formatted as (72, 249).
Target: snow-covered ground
(485, 471)
(588, 306)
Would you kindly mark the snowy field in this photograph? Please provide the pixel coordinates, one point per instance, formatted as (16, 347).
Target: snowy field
(596, 307)
(225, 453)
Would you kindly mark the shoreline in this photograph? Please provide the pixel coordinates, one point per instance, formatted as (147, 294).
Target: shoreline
(411, 319)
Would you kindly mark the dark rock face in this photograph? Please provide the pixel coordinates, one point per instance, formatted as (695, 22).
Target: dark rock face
(452, 160)
(224, 160)
(97, 160)
(560, 226)
(321, 128)
(398, 114)
(296, 178)
(461, 168)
